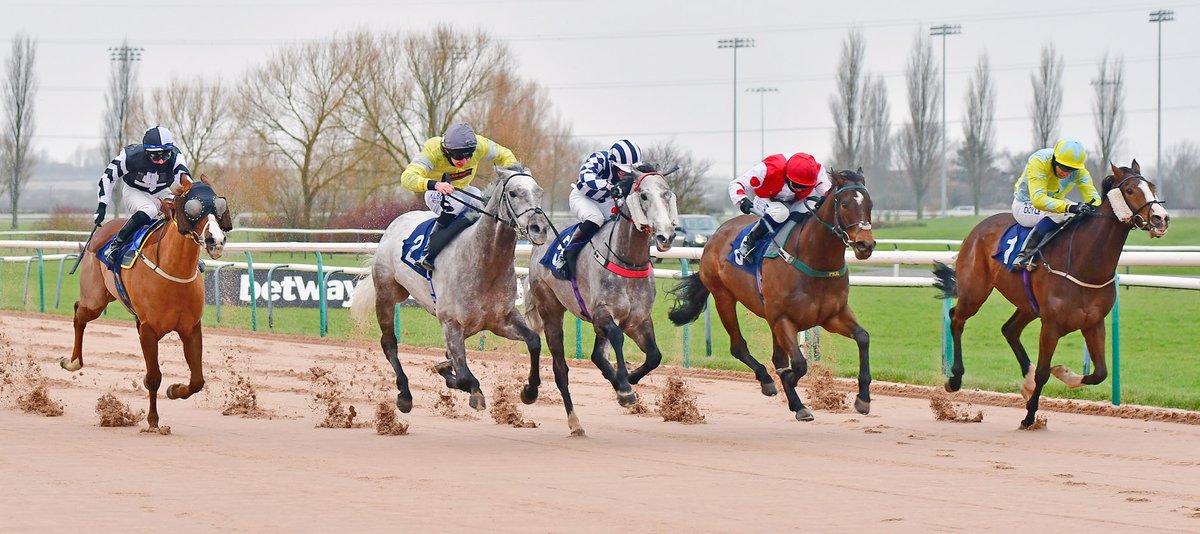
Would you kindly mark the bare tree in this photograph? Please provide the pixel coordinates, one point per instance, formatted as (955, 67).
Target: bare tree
(920, 137)
(20, 88)
(977, 152)
(1110, 106)
(688, 182)
(293, 107)
(1047, 97)
(199, 113)
(122, 102)
(1181, 167)
(876, 157)
(847, 103)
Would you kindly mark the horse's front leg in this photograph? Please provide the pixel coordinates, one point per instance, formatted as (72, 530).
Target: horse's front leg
(149, 341)
(456, 350)
(552, 325)
(514, 328)
(193, 352)
(1093, 336)
(604, 323)
(1047, 342)
(643, 335)
(386, 297)
(787, 352)
(846, 324)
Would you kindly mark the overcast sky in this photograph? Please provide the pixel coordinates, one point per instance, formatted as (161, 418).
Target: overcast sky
(651, 70)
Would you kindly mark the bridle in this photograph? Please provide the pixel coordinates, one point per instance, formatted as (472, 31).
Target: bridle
(1137, 213)
(624, 213)
(506, 206)
(837, 228)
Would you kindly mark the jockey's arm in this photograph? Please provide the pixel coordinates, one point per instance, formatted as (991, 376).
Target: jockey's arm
(1087, 189)
(112, 174)
(590, 182)
(495, 152)
(743, 186)
(416, 175)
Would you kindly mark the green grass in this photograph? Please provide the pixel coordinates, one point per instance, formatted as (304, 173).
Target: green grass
(1158, 329)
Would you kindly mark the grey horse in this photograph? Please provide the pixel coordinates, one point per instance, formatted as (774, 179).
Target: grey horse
(475, 283)
(616, 304)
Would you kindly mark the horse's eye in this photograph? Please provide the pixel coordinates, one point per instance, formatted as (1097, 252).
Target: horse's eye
(644, 197)
(512, 194)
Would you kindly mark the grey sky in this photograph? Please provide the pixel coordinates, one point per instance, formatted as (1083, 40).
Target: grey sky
(650, 70)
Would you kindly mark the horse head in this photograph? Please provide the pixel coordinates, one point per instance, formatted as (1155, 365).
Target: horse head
(652, 206)
(204, 217)
(1126, 188)
(522, 201)
(852, 211)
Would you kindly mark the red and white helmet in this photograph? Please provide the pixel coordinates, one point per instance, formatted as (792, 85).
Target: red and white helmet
(803, 171)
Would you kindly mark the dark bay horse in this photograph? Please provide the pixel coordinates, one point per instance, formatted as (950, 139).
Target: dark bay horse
(164, 286)
(617, 304)
(1073, 289)
(808, 290)
(474, 287)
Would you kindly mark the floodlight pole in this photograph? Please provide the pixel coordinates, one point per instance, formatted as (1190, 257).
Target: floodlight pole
(1159, 17)
(942, 30)
(735, 43)
(762, 92)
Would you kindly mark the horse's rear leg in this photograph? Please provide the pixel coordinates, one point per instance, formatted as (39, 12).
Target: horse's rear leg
(149, 342)
(790, 365)
(643, 335)
(606, 326)
(970, 299)
(193, 353)
(846, 324)
(552, 325)
(1047, 342)
(93, 298)
(456, 349)
(514, 328)
(387, 294)
(1093, 336)
(1012, 333)
(726, 305)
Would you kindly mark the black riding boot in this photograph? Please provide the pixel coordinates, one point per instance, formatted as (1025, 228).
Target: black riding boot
(583, 233)
(759, 230)
(444, 230)
(1024, 259)
(135, 221)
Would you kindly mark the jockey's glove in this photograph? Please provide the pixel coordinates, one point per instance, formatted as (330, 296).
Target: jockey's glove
(745, 205)
(1081, 208)
(100, 213)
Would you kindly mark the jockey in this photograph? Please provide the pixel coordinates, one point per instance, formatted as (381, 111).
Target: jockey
(1038, 196)
(777, 186)
(593, 198)
(453, 160)
(149, 171)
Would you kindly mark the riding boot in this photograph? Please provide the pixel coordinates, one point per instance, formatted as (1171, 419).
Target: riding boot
(583, 234)
(1024, 259)
(747, 248)
(135, 221)
(443, 233)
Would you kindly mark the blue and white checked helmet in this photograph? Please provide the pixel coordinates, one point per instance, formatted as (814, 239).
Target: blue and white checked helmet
(624, 155)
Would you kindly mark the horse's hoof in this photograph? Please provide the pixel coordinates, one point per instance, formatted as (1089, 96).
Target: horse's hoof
(171, 391)
(627, 398)
(573, 423)
(769, 389)
(863, 407)
(404, 402)
(953, 384)
(529, 394)
(804, 414)
(478, 402)
(71, 365)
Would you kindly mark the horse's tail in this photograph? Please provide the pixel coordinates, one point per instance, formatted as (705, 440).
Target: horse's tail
(533, 319)
(362, 300)
(945, 281)
(690, 299)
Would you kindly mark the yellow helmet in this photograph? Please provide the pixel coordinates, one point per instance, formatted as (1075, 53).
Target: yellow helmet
(1070, 153)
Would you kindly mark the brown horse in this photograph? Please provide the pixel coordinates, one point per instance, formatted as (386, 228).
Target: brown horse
(1074, 286)
(807, 289)
(165, 290)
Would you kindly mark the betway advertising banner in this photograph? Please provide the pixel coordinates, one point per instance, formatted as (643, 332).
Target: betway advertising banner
(295, 289)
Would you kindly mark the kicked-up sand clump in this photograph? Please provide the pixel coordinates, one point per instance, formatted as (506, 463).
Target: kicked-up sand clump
(945, 409)
(23, 384)
(678, 403)
(38, 401)
(823, 392)
(386, 422)
(1039, 422)
(446, 406)
(327, 402)
(240, 396)
(638, 408)
(505, 411)
(114, 412)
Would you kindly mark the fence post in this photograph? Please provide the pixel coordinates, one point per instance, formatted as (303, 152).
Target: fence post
(707, 327)
(321, 293)
(947, 343)
(683, 271)
(1116, 342)
(58, 286)
(253, 291)
(216, 290)
(271, 296)
(396, 321)
(41, 282)
(324, 283)
(578, 338)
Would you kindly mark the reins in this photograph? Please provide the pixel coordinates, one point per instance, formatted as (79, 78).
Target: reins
(504, 200)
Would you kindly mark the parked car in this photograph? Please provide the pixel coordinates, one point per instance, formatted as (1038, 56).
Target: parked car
(695, 229)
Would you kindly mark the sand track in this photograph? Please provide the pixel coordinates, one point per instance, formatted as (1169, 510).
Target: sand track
(748, 466)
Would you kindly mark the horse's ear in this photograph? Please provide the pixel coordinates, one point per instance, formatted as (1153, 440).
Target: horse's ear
(1137, 169)
(181, 220)
(1116, 171)
(204, 178)
(860, 174)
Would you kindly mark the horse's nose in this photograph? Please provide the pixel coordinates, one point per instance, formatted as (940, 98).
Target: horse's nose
(1159, 221)
(535, 228)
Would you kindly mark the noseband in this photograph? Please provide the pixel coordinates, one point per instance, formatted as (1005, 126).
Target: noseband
(1137, 213)
(513, 217)
(837, 228)
(637, 186)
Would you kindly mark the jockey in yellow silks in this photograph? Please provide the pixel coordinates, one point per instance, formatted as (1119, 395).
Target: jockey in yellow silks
(447, 163)
(1038, 197)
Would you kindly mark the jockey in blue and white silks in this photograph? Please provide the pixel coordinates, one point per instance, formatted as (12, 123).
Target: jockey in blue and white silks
(148, 172)
(593, 197)
(1039, 194)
